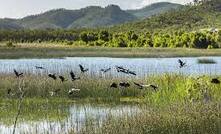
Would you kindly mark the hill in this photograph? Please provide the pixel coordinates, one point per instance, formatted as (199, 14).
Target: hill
(154, 9)
(89, 17)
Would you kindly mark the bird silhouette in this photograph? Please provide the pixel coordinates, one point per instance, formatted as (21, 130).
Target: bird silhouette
(139, 85)
(53, 76)
(124, 70)
(153, 86)
(124, 84)
(215, 81)
(181, 63)
(131, 72)
(62, 78)
(73, 90)
(105, 70)
(9, 91)
(83, 70)
(114, 85)
(38, 67)
(73, 77)
(18, 74)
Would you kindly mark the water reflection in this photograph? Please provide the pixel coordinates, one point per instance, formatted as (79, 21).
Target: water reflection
(78, 115)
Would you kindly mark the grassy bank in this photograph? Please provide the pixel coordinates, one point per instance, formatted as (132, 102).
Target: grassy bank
(171, 88)
(58, 51)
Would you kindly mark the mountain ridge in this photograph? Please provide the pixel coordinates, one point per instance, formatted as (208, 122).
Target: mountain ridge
(88, 17)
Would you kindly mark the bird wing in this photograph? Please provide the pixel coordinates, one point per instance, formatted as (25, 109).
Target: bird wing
(81, 67)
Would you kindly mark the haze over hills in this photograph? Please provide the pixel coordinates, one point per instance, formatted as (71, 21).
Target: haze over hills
(89, 17)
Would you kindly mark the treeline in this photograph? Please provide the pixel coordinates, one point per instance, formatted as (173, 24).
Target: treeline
(201, 39)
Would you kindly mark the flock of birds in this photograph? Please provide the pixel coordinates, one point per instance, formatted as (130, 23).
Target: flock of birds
(119, 69)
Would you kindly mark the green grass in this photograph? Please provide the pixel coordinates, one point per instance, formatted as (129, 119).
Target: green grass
(206, 61)
(47, 50)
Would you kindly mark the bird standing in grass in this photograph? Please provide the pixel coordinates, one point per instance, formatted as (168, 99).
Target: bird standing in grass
(114, 85)
(53, 76)
(124, 84)
(17, 74)
(73, 77)
(62, 78)
(83, 70)
(215, 81)
(73, 90)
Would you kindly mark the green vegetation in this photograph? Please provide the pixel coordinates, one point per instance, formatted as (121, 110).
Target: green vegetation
(50, 50)
(206, 61)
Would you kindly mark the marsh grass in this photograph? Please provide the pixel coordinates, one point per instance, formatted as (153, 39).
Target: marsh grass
(206, 61)
(49, 50)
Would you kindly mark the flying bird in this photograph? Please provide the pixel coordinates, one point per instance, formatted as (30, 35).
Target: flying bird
(181, 63)
(73, 77)
(114, 85)
(83, 70)
(105, 70)
(38, 67)
(215, 81)
(139, 85)
(18, 74)
(53, 76)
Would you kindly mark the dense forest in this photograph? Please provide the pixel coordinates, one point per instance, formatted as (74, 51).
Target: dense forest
(192, 26)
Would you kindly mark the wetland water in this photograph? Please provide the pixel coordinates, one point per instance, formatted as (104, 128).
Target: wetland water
(142, 66)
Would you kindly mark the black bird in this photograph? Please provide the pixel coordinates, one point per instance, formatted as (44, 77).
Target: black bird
(37, 67)
(154, 87)
(62, 78)
(73, 77)
(9, 91)
(215, 81)
(105, 70)
(131, 72)
(18, 74)
(83, 70)
(182, 63)
(53, 76)
(139, 85)
(114, 85)
(124, 84)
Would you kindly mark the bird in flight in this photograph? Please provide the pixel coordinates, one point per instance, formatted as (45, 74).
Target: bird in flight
(53, 76)
(181, 63)
(38, 67)
(17, 74)
(83, 70)
(105, 70)
(73, 76)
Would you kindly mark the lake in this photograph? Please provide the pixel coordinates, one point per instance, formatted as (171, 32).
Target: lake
(142, 66)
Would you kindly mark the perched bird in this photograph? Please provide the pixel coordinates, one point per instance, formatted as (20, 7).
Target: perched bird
(215, 81)
(83, 70)
(62, 78)
(182, 63)
(105, 70)
(73, 77)
(53, 76)
(124, 84)
(18, 74)
(37, 67)
(114, 85)
(73, 90)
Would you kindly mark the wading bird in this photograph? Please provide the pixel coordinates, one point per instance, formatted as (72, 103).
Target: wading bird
(181, 63)
(73, 90)
(73, 77)
(105, 70)
(215, 81)
(124, 84)
(114, 85)
(17, 74)
(37, 67)
(53, 76)
(62, 78)
(83, 70)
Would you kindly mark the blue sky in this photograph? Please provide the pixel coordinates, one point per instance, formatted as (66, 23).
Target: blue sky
(21, 8)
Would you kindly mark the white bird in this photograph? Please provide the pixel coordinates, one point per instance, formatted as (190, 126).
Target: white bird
(71, 91)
